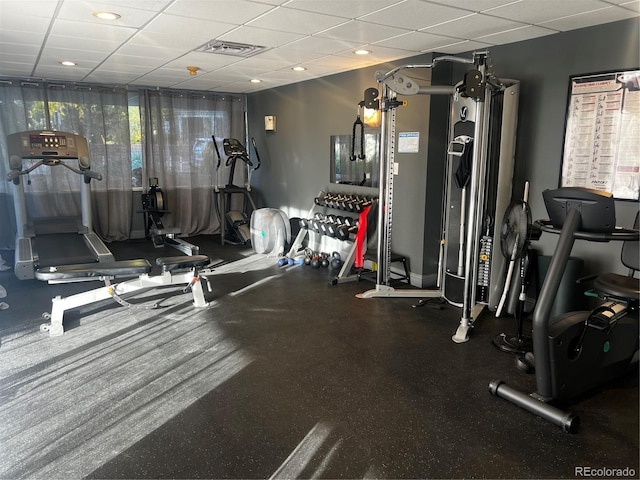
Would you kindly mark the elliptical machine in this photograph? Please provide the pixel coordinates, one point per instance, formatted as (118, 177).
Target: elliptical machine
(238, 221)
(579, 351)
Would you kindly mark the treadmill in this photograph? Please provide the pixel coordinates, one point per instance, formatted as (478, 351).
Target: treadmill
(48, 242)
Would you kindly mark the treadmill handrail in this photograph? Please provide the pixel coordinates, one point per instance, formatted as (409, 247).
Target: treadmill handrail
(52, 162)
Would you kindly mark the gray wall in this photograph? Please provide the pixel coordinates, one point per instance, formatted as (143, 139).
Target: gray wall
(544, 66)
(296, 157)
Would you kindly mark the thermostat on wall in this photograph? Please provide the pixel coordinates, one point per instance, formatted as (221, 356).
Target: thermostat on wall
(270, 123)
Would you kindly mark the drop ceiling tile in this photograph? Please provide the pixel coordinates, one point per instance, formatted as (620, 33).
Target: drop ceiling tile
(37, 8)
(236, 12)
(90, 44)
(289, 53)
(198, 83)
(260, 36)
(179, 32)
(296, 21)
(272, 2)
(154, 51)
(123, 63)
(347, 9)
(84, 30)
(379, 53)
(18, 49)
(9, 65)
(362, 32)
(283, 75)
(110, 77)
(53, 55)
(596, 17)
(48, 64)
(9, 68)
(460, 47)
(82, 11)
(206, 61)
(61, 73)
(517, 35)
(475, 5)
(17, 37)
(263, 64)
(160, 79)
(230, 88)
(543, 10)
(320, 45)
(153, 5)
(415, 15)
(335, 62)
(634, 5)
(416, 41)
(473, 26)
(23, 23)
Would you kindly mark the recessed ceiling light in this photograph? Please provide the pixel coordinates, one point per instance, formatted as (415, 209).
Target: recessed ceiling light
(68, 63)
(256, 80)
(106, 15)
(299, 69)
(362, 52)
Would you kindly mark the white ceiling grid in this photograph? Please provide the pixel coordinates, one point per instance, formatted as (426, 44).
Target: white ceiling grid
(153, 41)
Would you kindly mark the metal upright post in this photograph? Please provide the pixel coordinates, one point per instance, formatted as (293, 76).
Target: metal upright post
(473, 215)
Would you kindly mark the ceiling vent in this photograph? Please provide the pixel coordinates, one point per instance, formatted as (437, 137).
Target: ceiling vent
(234, 49)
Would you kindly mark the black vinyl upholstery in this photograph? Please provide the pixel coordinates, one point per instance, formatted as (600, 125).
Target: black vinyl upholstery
(621, 286)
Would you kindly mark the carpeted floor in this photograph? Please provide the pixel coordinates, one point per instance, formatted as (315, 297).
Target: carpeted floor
(281, 376)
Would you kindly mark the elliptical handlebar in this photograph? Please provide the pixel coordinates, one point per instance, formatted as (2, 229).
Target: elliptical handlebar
(255, 149)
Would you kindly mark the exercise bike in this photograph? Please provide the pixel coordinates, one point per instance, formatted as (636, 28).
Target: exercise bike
(238, 221)
(579, 351)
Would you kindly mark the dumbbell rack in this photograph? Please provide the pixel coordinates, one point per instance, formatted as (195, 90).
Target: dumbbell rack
(331, 225)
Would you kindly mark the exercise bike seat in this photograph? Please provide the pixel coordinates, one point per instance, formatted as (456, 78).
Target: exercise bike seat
(618, 286)
(625, 287)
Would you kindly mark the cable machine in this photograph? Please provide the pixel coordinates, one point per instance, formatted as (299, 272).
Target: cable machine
(477, 188)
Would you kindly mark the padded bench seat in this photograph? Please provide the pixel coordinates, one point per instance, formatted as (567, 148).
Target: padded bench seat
(119, 268)
(170, 264)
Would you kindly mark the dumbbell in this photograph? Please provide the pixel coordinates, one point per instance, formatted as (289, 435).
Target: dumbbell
(343, 231)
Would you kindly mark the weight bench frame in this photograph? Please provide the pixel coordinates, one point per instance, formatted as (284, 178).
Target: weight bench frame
(175, 271)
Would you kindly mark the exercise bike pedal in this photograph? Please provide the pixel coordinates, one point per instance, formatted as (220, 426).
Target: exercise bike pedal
(606, 316)
(526, 363)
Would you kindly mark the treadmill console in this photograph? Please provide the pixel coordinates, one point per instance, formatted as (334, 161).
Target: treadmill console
(46, 144)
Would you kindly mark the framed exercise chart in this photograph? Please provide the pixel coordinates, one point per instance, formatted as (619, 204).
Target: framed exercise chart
(602, 134)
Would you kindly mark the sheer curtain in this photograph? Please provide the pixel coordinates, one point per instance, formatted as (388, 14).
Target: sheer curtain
(178, 150)
(21, 108)
(100, 115)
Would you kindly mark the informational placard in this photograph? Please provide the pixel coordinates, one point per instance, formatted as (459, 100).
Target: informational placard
(602, 136)
(408, 142)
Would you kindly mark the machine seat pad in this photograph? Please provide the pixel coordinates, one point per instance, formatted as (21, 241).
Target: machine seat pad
(119, 268)
(619, 286)
(170, 264)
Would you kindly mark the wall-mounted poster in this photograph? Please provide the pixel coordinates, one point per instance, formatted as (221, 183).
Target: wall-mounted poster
(602, 135)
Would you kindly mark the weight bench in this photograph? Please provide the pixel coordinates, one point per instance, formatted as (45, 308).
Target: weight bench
(175, 271)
